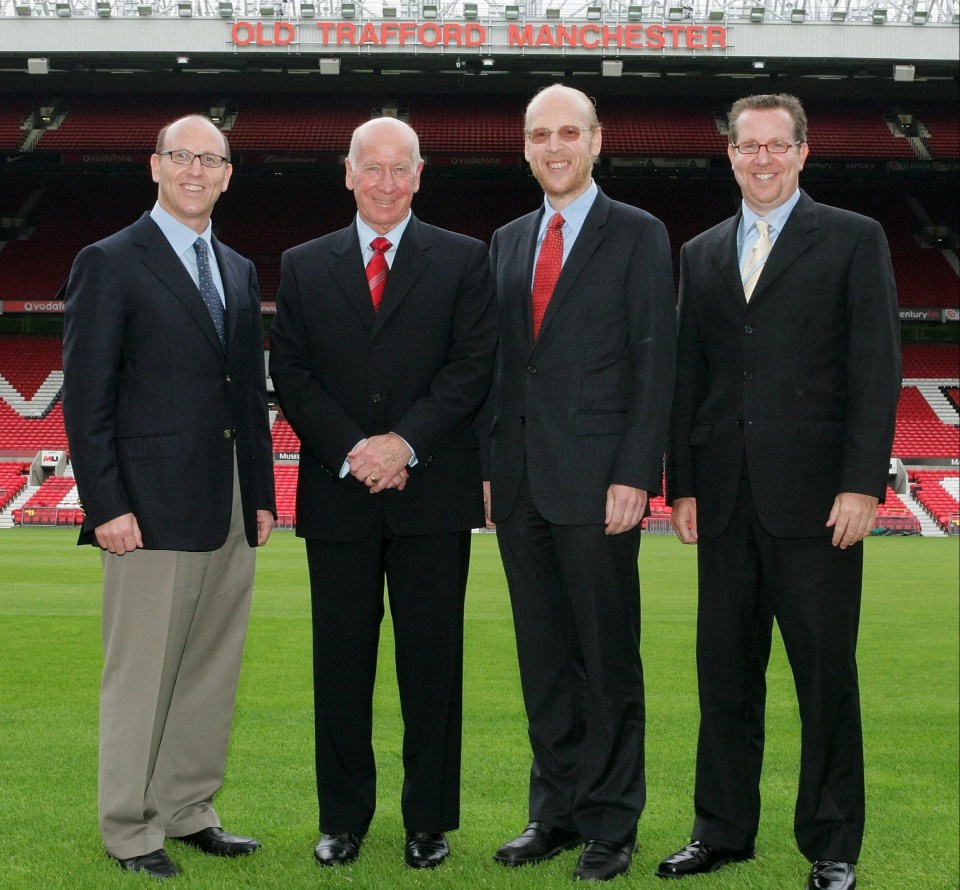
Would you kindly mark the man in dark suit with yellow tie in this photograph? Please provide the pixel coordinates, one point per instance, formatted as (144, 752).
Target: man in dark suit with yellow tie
(380, 374)
(164, 402)
(579, 407)
(787, 386)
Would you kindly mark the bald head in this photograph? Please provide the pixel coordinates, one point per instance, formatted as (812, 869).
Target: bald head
(384, 129)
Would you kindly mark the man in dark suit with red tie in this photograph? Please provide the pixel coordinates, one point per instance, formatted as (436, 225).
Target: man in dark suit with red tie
(788, 378)
(165, 407)
(580, 407)
(381, 375)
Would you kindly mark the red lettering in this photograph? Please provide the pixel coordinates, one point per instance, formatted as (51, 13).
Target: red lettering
(476, 34)
(242, 33)
(283, 33)
(516, 37)
(633, 36)
(588, 42)
(675, 32)
(430, 34)
(325, 28)
(453, 34)
(346, 33)
(655, 37)
(408, 31)
(694, 37)
(388, 30)
(716, 36)
(369, 35)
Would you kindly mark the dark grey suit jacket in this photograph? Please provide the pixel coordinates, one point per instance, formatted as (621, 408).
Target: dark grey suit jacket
(152, 405)
(803, 381)
(587, 404)
(420, 367)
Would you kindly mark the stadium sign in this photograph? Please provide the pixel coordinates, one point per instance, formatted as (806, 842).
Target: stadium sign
(473, 35)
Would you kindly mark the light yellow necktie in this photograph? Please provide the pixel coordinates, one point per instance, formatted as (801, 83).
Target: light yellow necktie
(753, 264)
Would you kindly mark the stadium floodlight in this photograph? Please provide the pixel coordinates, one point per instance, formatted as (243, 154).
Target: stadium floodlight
(553, 12)
(389, 12)
(185, 9)
(634, 13)
(511, 12)
(308, 10)
(594, 13)
(144, 9)
(470, 11)
(838, 15)
(329, 66)
(675, 13)
(348, 11)
(267, 10)
(905, 73)
(919, 16)
(225, 8)
(715, 15)
(880, 16)
(23, 9)
(757, 13)
(429, 11)
(64, 10)
(103, 9)
(38, 66)
(611, 68)
(798, 14)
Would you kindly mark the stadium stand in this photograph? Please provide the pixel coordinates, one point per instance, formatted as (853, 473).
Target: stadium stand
(285, 479)
(13, 477)
(937, 492)
(53, 503)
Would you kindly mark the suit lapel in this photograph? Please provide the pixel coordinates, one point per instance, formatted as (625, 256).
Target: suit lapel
(160, 258)
(231, 290)
(347, 269)
(526, 248)
(725, 258)
(412, 257)
(798, 236)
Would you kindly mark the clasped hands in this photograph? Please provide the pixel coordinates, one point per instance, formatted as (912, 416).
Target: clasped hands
(380, 462)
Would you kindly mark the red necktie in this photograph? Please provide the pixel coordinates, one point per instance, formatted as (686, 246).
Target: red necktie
(377, 270)
(549, 263)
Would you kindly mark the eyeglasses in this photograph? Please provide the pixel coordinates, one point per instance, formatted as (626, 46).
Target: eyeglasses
(775, 148)
(568, 133)
(184, 157)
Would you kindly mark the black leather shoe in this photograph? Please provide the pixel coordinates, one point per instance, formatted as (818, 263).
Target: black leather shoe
(156, 864)
(828, 874)
(337, 849)
(696, 858)
(425, 850)
(216, 842)
(604, 860)
(537, 843)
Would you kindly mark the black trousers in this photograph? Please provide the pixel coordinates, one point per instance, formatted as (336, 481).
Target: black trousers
(747, 578)
(575, 594)
(426, 577)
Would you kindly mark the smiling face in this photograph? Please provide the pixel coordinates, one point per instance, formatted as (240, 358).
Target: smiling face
(767, 180)
(563, 169)
(188, 192)
(383, 172)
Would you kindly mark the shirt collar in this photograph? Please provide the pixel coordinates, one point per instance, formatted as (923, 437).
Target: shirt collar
(777, 218)
(367, 234)
(573, 214)
(180, 236)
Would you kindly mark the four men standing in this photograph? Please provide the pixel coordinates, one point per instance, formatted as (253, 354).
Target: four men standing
(383, 358)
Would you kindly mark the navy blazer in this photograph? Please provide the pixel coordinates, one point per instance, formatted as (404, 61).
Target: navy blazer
(802, 382)
(420, 367)
(152, 404)
(587, 404)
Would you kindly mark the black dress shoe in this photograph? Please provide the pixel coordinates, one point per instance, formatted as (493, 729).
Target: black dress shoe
(156, 864)
(425, 850)
(829, 874)
(216, 842)
(696, 858)
(537, 843)
(604, 860)
(337, 849)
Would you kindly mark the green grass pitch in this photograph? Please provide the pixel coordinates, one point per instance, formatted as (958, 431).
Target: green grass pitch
(49, 675)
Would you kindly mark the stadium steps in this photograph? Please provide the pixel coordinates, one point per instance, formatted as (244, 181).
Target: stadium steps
(6, 515)
(929, 527)
(932, 391)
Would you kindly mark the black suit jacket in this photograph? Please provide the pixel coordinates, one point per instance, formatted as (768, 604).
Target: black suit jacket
(151, 403)
(803, 381)
(420, 367)
(587, 404)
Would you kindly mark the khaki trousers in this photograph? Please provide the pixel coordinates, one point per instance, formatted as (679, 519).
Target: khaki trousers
(174, 625)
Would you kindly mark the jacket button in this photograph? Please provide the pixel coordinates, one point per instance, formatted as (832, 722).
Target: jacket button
(531, 370)
(228, 379)
(740, 422)
(376, 397)
(523, 420)
(747, 375)
(228, 434)
(747, 329)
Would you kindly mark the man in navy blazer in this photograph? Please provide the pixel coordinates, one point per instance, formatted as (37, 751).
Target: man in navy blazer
(779, 452)
(580, 408)
(382, 384)
(170, 444)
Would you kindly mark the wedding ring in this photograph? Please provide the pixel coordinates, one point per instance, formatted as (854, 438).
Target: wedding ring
(374, 479)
